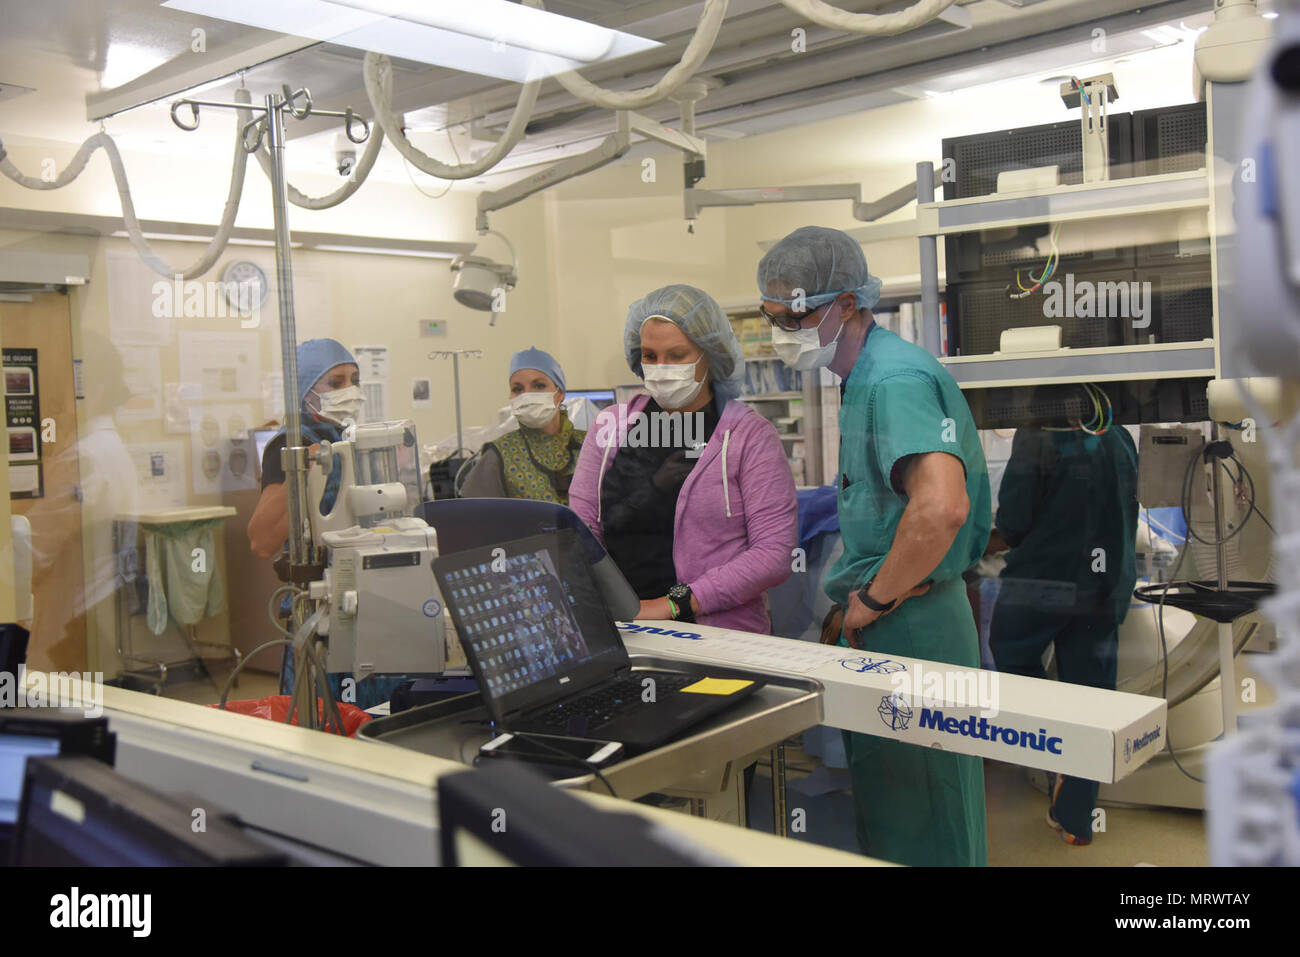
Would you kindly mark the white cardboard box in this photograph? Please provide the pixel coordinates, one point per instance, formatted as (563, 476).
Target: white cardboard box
(1082, 732)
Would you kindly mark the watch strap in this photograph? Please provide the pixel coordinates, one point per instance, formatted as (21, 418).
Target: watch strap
(871, 603)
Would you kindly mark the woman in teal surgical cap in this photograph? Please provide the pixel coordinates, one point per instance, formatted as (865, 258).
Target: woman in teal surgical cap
(914, 510)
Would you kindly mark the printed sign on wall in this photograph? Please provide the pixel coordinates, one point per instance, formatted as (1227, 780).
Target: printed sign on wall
(23, 423)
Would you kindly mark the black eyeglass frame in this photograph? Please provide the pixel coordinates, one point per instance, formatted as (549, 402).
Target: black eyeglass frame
(780, 322)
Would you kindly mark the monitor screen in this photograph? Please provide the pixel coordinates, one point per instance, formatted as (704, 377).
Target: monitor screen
(15, 749)
(531, 619)
(600, 398)
(80, 812)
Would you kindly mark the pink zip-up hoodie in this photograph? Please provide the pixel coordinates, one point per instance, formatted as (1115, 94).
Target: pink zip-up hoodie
(737, 515)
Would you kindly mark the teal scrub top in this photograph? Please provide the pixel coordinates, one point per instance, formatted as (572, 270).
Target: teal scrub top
(899, 401)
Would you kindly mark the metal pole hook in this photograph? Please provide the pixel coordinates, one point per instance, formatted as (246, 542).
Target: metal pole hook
(259, 126)
(289, 99)
(348, 117)
(194, 115)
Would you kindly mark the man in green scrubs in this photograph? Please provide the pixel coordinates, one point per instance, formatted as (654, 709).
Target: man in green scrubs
(915, 512)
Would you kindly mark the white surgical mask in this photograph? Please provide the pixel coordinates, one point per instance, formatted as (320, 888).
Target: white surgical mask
(533, 409)
(672, 385)
(803, 350)
(341, 404)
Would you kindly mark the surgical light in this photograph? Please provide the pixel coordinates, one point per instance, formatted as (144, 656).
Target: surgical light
(480, 282)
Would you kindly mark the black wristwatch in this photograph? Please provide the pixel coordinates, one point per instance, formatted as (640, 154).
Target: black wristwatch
(870, 602)
(680, 596)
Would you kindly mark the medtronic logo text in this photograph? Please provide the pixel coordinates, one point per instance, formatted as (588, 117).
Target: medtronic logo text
(971, 727)
(628, 626)
(1132, 746)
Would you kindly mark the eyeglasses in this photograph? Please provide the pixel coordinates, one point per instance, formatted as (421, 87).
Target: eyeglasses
(788, 322)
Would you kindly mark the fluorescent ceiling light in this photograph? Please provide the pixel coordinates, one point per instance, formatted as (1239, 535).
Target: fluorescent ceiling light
(489, 37)
(381, 251)
(126, 61)
(188, 238)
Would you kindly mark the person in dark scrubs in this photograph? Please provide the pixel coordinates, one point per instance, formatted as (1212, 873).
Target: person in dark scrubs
(1068, 510)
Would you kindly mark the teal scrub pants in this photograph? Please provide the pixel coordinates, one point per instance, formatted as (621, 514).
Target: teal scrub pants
(916, 805)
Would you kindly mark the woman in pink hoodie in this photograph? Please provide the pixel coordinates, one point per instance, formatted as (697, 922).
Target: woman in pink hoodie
(688, 488)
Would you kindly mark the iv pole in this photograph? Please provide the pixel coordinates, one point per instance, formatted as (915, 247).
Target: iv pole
(304, 562)
(455, 371)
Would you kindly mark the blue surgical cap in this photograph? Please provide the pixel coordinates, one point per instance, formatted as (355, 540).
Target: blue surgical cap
(813, 265)
(315, 358)
(532, 358)
(702, 320)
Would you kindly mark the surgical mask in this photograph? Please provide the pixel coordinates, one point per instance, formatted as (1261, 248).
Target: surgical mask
(803, 350)
(533, 409)
(341, 404)
(672, 385)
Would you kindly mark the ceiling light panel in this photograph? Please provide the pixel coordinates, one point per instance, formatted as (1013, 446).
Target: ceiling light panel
(494, 38)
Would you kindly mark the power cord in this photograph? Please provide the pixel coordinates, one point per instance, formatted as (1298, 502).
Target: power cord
(535, 739)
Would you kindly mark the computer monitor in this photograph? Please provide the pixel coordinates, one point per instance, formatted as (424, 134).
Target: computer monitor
(42, 732)
(544, 827)
(529, 615)
(463, 523)
(80, 812)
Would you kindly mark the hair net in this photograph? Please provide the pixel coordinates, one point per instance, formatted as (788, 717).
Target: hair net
(315, 358)
(702, 320)
(822, 262)
(532, 358)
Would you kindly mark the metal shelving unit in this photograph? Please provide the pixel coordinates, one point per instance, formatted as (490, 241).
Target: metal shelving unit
(1120, 198)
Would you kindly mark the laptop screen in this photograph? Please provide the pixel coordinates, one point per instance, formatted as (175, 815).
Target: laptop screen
(531, 619)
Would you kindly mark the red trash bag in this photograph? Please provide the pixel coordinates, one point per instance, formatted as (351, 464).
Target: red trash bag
(276, 708)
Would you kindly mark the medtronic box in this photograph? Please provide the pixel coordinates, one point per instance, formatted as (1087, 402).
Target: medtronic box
(1071, 729)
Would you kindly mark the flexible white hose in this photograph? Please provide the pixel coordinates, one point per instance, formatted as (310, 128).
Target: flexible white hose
(701, 45)
(155, 262)
(365, 163)
(378, 74)
(869, 24)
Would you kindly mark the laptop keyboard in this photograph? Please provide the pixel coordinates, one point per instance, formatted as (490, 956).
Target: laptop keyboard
(621, 696)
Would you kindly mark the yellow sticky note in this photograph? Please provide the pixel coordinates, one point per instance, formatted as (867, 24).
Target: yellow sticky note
(722, 686)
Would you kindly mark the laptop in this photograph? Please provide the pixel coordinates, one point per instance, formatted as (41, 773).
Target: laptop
(549, 658)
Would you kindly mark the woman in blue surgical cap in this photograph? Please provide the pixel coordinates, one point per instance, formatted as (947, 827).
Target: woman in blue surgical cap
(536, 460)
(330, 396)
(329, 383)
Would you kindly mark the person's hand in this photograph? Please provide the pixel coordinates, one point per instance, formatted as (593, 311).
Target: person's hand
(856, 617)
(859, 616)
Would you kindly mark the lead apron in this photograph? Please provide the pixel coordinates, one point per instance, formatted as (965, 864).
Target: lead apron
(914, 805)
